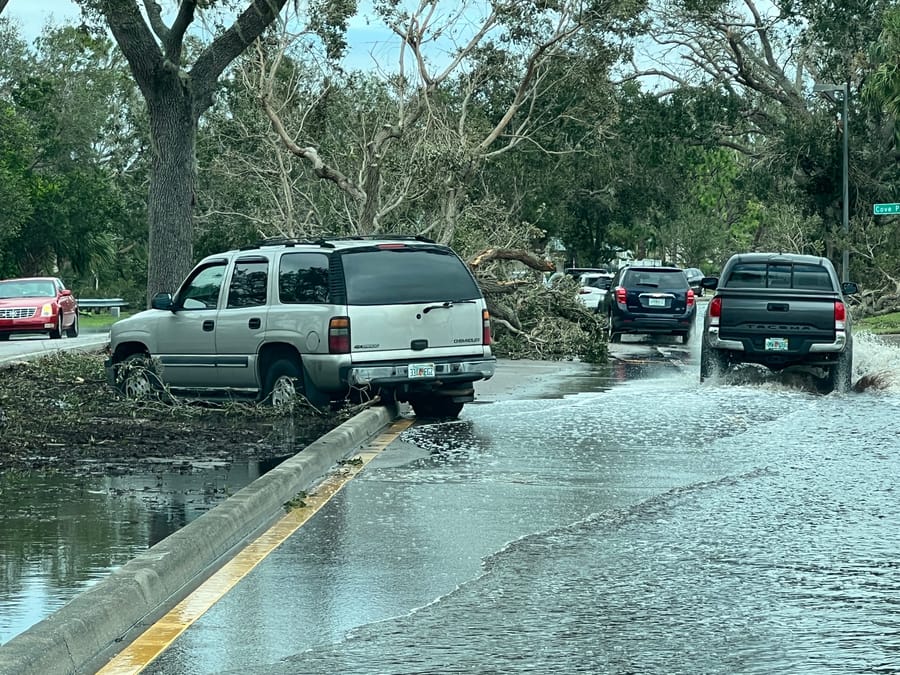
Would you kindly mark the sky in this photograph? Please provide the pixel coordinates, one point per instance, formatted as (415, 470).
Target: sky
(371, 45)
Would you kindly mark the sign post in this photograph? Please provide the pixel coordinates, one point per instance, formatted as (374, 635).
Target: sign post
(886, 209)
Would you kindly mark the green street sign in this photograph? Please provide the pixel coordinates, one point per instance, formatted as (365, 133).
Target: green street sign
(885, 209)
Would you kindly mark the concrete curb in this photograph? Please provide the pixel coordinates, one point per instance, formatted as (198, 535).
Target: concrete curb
(91, 627)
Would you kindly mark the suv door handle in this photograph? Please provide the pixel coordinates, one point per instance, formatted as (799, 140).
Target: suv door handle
(254, 323)
(208, 325)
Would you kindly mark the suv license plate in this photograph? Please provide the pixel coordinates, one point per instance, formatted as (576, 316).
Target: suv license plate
(417, 370)
(657, 302)
(776, 344)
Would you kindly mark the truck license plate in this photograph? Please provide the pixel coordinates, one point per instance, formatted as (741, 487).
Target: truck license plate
(776, 344)
(421, 370)
(657, 302)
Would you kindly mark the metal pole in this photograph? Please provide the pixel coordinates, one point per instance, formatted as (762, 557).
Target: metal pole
(845, 261)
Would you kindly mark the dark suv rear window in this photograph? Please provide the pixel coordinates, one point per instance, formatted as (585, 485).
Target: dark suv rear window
(775, 275)
(673, 280)
(406, 275)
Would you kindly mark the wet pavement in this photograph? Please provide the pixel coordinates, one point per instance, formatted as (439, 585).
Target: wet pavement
(645, 524)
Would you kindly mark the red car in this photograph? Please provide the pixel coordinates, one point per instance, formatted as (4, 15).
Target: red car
(37, 305)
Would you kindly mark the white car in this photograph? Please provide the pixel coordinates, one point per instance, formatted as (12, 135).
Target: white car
(593, 287)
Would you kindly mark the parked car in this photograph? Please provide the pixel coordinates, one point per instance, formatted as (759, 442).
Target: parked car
(402, 317)
(592, 288)
(780, 311)
(648, 301)
(37, 305)
(695, 279)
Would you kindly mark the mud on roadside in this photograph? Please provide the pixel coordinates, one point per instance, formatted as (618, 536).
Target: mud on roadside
(58, 413)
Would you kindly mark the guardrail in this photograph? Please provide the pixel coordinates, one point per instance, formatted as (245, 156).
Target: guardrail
(114, 305)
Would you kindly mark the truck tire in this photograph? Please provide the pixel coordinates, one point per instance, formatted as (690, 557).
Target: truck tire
(712, 361)
(840, 375)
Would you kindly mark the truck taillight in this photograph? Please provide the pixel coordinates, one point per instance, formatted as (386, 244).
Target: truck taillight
(715, 311)
(840, 315)
(339, 335)
(485, 327)
(690, 297)
(620, 295)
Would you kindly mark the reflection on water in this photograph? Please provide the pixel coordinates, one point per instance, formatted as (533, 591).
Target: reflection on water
(62, 533)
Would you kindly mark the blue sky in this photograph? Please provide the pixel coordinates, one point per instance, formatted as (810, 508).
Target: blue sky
(367, 40)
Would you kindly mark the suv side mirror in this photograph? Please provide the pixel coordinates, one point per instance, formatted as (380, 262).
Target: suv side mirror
(162, 301)
(849, 288)
(712, 283)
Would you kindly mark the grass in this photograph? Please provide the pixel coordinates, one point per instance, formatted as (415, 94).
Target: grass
(99, 320)
(889, 323)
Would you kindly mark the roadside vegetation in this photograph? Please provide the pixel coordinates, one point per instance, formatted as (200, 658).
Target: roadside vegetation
(58, 413)
(882, 325)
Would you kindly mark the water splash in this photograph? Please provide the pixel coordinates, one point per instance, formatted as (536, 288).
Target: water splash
(876, 362)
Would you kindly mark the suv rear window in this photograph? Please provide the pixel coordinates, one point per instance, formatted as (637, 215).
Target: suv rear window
(780, 275)
(667, 279)
(397, 276)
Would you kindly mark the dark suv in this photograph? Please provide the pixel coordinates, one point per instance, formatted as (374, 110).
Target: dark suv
(649, 300)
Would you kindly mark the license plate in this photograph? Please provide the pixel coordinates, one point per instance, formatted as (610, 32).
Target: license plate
(776, 344)
(421, 370)
(656, 302)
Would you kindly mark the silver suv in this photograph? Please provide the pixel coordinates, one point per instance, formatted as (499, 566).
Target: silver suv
(402, 317)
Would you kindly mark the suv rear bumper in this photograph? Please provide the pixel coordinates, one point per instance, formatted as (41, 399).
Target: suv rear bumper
(445, 371)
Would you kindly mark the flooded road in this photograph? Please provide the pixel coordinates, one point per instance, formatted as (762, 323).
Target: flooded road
(647, 524)
(62, 533)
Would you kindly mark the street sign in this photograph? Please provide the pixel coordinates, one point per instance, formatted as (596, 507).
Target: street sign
(885, 209)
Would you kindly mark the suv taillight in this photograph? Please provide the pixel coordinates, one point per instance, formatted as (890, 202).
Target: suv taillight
(620, 295)
(339, 335)
(690, 297)
(715, 311)
(485, 327)
(840, 315)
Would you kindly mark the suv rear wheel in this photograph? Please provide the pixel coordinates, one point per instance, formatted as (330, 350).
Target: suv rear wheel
(281, 385)
(611, 335)
(436, 407)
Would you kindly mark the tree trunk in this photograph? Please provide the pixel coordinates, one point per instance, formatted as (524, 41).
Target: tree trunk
(173, 130)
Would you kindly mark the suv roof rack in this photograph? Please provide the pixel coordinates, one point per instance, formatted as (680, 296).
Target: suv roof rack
(287, 241)
(398, 237)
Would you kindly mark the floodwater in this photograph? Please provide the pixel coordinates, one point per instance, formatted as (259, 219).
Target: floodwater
(59, 533)
(658, 526)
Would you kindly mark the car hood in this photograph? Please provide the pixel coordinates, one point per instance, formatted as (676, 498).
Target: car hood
(26, 302)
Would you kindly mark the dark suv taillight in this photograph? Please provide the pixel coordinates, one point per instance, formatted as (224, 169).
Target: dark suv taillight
(339, 335)
(620, 295)
(690, 298)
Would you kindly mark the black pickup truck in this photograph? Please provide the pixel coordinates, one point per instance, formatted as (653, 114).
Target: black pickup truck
(781, 311)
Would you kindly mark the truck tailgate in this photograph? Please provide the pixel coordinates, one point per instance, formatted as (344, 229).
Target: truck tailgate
(796, 317)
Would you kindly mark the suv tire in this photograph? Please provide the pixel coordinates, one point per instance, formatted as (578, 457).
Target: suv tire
(611, 335)
(436, 407)
(135, 378)
(281, 386)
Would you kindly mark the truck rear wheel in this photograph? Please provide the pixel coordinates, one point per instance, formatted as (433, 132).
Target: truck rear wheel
(840, 374)
(712, 362)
